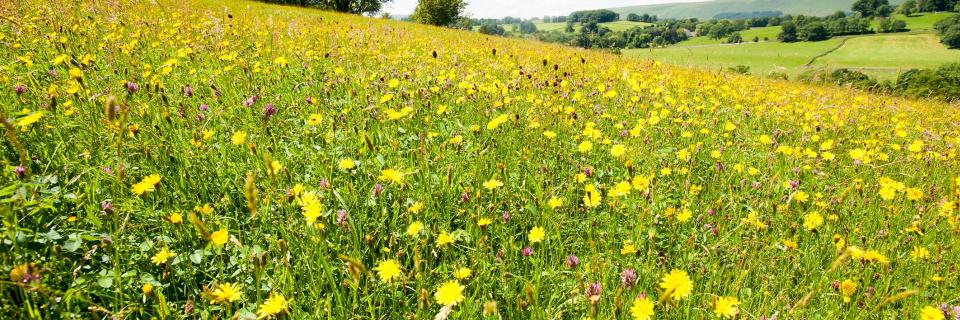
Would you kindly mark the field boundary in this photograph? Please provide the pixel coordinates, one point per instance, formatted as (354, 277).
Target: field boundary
(828, 52)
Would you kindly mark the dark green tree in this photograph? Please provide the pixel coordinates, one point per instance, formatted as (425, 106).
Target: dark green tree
(528, 27)
(949, 31)
(814, 31)
(873, 8)
(789, 32)
(348, 6)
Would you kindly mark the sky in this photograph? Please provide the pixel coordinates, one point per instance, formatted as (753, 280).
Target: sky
(526, 8)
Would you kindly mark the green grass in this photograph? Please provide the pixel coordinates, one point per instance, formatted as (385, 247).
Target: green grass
(761, 57)
(884, 56)
(918, 22)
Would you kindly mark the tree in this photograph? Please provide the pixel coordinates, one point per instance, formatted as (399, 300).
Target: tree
(908, 8)
(370, 7)
(438, 12)
(873, 8)
(814, 31)
(527, 27)
(789, 32)
(633, 17)
(888, 25)
(492, 29)
(949, 31)
(735, 38)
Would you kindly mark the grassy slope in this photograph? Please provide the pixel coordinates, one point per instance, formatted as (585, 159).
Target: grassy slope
(881, 55)
(887, 55)
(356, 98)
(709, 9)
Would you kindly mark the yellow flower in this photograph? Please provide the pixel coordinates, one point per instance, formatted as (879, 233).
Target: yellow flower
(591, 198)
(919, 253)
(628, 248)
(676, 284)
(536, 234)
(274, 305)
(684, 215)
(314, 119)
(449, 293)
(483, 222)
(346, 164)
(492, 184)
(414, 228)
(462, 273)
(226, 293)
(931, 313)
(147, 288)
(496, 122)
(847, 289)
(555, 202)
(238, 138)
(311, 207)
(642, 308)
(585, 147)
(26, 121)
(162, 256)
(388, 270)
(275, 167)
(280, 61)
(812, 220)
(618, 150)
(683, 155)
(148, 184)
(444, 239)
(391, 175)
(175, 218)
(914, 194)
(206, 209)
(726, 307)
(220, 237)
(416, 207)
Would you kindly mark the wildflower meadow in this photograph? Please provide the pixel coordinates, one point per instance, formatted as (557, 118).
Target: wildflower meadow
(231, 159)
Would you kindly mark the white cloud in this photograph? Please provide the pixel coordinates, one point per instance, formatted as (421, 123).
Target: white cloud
(527, 8)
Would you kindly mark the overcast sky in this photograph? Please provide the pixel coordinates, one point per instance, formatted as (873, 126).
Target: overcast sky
(527, 8)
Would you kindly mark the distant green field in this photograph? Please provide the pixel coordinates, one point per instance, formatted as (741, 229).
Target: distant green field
(615, 26)
(708, 9)
(919, 22)
(762, 57)
(887, 55)
(882, 56)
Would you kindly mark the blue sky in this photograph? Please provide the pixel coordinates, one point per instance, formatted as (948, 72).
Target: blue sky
(527, 8)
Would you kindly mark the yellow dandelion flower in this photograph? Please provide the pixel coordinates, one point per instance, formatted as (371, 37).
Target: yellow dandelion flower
(726, 307)
(676, 284)
(388, 270)
(642, 308)
(163, 256)
(274, 305)
(536, 235)
(449, 293)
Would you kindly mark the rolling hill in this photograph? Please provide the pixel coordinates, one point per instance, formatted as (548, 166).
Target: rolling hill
(708, 9)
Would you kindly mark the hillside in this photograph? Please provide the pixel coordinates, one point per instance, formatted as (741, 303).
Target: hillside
(708, 9)
(881, 56)
(205, 159)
